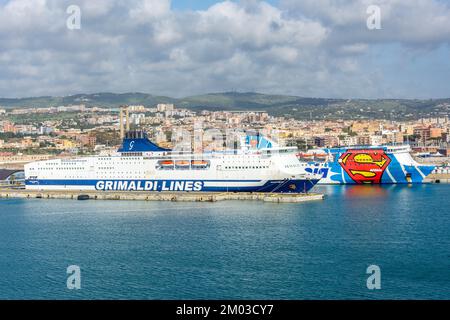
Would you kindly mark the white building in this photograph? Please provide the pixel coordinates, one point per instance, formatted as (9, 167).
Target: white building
(163, 107)
(137, 108)
(137, 118)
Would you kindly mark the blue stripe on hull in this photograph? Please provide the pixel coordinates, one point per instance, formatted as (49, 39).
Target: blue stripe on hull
(277, 186)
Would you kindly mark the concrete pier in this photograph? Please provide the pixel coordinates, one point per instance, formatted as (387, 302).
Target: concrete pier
(162, 196)
(438, 178)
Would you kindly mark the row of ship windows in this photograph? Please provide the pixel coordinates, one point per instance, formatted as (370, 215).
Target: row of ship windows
(70, 163)
(57, 168)
(123, 173)
(132, 154)
(121, 158)
(63, 164)
(105, 177)
(124, 163)
(246, 167)
(169, 168)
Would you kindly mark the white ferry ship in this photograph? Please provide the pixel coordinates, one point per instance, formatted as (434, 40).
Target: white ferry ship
(141, 165)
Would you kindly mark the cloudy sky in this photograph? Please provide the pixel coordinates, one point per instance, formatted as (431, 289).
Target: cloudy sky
(319, 48)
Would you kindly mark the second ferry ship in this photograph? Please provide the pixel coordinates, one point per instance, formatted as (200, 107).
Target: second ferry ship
(365, 165)
(141, 165)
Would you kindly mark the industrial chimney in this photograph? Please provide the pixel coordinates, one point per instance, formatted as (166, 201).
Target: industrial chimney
(127, 121)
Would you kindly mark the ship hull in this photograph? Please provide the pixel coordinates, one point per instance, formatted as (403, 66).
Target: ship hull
(272, 186)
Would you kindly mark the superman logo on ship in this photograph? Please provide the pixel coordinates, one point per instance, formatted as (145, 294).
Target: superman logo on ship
(365, 166)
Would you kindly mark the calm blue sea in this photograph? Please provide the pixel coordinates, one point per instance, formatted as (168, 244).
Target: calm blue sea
(231, 250)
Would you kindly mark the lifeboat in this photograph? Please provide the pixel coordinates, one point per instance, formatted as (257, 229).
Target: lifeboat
(182, 163)
(165, 163)
(321, 156)
(307, 155)
(200, 163)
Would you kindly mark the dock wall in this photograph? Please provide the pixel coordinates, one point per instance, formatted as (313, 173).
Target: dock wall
(162, 196)
(438, 178)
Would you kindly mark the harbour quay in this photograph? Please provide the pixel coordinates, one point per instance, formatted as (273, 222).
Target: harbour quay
(161, 196)
(437, 178)
(439, 175)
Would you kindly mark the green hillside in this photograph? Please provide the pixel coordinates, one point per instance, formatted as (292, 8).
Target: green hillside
(279, 105)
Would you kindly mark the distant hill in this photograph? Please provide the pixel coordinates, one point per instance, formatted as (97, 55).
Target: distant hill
(280, 105)
(104, 99)
(236, 101)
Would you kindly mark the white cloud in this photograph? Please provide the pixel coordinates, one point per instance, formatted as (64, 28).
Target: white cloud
(310, 48)
(404, 21)
(354, 48)
(22, 15)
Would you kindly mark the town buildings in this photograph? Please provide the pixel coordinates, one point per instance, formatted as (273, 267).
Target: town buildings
(72, 130)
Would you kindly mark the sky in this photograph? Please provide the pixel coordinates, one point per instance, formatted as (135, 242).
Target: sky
(310, 48)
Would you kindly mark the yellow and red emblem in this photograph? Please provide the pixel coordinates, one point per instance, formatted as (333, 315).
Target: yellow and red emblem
(365, 166)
